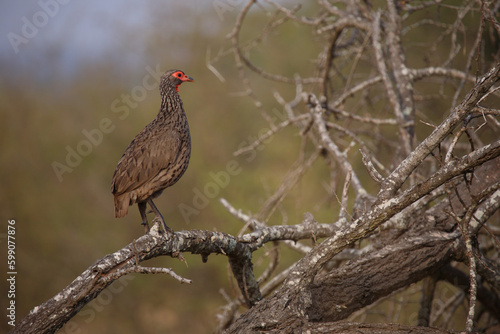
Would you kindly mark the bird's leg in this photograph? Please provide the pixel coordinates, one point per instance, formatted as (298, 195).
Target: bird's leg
(158, 214)
(142, 210)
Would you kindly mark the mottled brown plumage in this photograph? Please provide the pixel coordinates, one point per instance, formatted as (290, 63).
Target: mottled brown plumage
(157, 157)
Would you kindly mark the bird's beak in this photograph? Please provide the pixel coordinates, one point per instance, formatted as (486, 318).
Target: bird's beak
(187, 78)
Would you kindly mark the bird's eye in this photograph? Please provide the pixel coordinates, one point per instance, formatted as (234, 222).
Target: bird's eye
(179, 75)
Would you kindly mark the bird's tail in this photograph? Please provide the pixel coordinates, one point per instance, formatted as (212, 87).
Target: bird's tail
(121, 205)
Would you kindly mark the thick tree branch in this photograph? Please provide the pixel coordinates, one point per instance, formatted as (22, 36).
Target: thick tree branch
(292, 296)
(54, 313)
(394, 182)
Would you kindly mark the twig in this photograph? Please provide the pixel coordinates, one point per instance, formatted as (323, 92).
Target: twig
(212, 69)
(345, 192)
(286, 185)
(449, 153)
(317, 112)
(375, 175)
(145, 270)
(270, 133)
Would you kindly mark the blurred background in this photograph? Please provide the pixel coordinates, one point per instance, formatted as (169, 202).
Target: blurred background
(66, 67)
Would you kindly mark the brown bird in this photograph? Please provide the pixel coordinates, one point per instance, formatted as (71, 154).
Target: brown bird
(157, 157)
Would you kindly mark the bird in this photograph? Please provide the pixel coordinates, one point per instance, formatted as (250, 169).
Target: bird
(157, 157)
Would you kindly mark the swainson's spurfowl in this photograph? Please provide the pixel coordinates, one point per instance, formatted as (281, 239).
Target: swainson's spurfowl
(157, 157)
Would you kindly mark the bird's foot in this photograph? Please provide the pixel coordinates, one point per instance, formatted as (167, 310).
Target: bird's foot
(146, 227)
(166, 229)
(158, 215)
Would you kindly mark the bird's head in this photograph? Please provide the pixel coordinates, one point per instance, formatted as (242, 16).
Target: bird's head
(174, 78)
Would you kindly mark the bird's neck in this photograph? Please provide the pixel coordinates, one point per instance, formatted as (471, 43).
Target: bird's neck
(171, 106)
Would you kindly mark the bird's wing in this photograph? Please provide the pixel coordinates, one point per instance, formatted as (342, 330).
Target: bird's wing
(144, 159)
